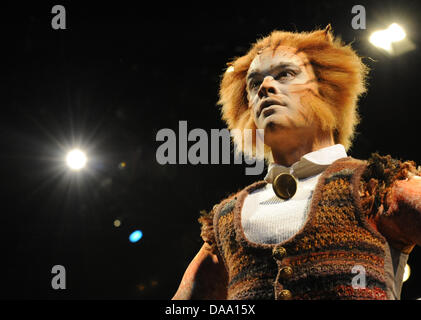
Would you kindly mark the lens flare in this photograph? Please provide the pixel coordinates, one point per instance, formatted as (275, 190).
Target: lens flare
(117, 223)
(135, 236)
(76, 159)
(384, 38)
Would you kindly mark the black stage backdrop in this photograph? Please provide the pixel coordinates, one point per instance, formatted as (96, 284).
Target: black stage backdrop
(119, 73)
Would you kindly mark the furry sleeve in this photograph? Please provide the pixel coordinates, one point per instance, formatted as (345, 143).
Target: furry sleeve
(392, 196)
(207, 232)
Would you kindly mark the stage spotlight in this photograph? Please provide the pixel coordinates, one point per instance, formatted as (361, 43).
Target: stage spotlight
(386, 38)
(76, 159)
(406, 273)
(380, 39)
(117, 223)
(396, 32)
(230, 69)
(135, 236)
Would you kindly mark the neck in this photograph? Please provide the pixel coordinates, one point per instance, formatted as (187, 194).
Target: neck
(291, 152)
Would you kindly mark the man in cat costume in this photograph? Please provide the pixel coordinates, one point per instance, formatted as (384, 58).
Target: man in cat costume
(320, 218)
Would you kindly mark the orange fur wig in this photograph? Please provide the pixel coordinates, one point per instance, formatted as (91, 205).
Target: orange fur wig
(340, 74)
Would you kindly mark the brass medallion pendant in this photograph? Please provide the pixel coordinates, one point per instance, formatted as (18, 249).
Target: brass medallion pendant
(285, 186)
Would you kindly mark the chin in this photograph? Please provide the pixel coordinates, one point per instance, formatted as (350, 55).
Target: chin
(274, 123)
(272, 131)
(276, 128)
(271, 139)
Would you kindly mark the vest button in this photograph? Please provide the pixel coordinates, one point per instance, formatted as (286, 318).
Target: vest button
(285, 185)
(286, 272)
(284, 295)
(279, 253)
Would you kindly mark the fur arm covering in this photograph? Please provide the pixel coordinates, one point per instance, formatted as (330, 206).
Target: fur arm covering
(392, 198)
(207, 226)
(207, 232)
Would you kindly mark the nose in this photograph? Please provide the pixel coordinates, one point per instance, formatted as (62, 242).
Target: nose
(267, 88)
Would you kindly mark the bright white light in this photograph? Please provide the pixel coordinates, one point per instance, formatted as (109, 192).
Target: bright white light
(76, 159)
(396, 32)
(406, 273)
(381, 39)
(230, 69)
(384, 38)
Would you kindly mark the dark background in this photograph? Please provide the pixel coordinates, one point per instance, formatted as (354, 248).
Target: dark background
(119, 73)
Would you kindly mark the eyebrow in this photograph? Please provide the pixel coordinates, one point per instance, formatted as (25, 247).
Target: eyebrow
(274, 69)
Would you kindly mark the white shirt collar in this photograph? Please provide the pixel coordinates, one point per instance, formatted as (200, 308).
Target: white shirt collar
(309, 164)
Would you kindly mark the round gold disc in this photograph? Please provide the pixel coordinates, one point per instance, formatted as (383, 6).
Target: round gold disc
(285, 185)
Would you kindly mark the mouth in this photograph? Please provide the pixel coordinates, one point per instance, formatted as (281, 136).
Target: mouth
(267, 103)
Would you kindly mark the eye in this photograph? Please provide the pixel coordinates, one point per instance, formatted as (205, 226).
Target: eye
(286, 75)
(253, 84)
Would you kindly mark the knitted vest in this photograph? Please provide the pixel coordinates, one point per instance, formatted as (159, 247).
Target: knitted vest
(334, 246)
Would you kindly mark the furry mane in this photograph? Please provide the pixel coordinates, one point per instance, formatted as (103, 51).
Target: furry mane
(339, 71)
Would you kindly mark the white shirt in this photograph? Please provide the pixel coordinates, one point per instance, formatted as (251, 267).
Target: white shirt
(265, 218)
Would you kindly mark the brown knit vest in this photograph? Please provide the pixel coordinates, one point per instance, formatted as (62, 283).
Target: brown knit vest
(318, 262)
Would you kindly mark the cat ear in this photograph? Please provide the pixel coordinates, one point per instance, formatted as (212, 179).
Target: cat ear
(328, 33)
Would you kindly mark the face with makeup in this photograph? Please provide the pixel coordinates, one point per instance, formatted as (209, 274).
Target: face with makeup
(276, 81)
